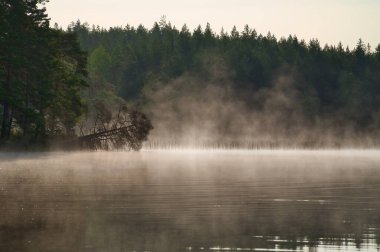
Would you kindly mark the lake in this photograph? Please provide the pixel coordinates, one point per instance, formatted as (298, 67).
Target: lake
(190, 200)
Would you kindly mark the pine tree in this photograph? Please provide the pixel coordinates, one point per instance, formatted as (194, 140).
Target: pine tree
(41, 68)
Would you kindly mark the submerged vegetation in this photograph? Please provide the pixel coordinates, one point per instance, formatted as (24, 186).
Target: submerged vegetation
(222, 88)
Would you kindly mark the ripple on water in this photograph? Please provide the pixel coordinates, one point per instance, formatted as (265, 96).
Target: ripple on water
(213, 201)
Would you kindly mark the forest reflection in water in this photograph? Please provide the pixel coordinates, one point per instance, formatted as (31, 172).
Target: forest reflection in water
(190, 201)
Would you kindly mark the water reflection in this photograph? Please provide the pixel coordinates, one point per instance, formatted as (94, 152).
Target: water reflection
(180, 201)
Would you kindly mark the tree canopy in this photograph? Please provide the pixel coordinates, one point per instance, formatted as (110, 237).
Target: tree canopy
(42, 71)
(50, 77)
(332, 83)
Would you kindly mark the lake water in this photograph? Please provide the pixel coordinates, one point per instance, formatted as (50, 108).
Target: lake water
(190, 201)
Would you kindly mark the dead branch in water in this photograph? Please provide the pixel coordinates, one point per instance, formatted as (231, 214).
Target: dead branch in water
(128, 129)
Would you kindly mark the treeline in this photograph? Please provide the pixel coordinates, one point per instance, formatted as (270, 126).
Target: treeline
(329, 81)
(42, 71)
(55, 82)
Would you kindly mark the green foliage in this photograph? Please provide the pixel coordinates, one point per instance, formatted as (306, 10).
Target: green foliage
(331, 82)
(42, 71)
(99, 61)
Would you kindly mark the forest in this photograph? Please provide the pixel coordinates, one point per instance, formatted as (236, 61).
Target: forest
(234, 87)
(42, 71)
(215, 87)
(43, 81)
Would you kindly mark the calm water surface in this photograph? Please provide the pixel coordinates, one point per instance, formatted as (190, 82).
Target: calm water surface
(190, 201)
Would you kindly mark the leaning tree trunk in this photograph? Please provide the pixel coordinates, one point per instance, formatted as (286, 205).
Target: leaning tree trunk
(127, 130)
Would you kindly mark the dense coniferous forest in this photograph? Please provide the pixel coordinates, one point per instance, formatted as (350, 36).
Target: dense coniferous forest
(42, 71)
(43, 78)
(285, 84)
(227, 85)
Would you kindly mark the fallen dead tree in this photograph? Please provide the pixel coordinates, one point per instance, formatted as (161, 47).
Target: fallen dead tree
(127, 130)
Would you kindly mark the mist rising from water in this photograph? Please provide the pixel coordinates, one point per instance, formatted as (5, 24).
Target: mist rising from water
(192, 111)
(174, 200)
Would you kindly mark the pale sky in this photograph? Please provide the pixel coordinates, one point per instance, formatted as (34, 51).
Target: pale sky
(330, 21)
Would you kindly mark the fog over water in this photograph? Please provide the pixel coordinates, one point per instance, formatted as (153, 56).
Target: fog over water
(194, 112)
(190, 200)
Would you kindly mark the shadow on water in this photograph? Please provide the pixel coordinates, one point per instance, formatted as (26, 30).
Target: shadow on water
(191, 201)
